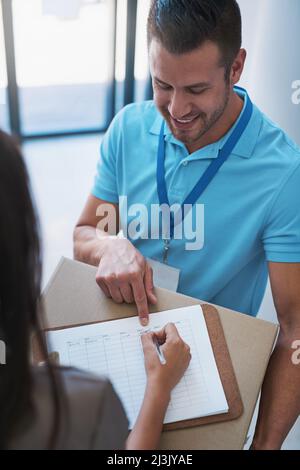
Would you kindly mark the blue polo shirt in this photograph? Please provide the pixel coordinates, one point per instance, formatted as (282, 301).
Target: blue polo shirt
(251, 208)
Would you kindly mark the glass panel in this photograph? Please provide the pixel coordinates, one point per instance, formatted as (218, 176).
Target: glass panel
(121, 53)
(4, 119)
(64, 62)
(141, 71)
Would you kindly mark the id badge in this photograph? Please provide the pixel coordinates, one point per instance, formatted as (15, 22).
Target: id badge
(164, 276)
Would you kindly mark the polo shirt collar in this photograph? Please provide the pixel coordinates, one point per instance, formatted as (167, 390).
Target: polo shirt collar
(245, 146)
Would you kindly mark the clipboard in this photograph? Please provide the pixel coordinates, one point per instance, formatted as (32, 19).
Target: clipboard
(72, 298)
(224, 365)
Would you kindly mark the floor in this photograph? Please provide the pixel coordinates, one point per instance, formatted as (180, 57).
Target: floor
(62, 172)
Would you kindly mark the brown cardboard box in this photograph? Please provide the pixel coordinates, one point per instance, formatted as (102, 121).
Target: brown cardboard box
(73, 298)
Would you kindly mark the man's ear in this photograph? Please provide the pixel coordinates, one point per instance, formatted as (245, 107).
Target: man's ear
(238, 67)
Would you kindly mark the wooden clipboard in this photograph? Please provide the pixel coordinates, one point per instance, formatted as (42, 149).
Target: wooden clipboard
(223, 362)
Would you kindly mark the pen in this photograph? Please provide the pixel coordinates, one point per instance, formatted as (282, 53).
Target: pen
(160, 354)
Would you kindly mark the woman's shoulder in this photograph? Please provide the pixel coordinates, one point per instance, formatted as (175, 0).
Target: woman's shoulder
(84, 394)
(73, 381)
(76, 378)
(88, 404)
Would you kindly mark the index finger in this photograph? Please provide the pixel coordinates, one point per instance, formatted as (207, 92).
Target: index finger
(140, 298)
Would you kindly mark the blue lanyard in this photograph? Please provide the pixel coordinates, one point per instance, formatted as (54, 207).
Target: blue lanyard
(208, 175)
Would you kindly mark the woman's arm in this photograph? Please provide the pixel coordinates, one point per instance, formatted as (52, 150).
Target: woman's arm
(161, 379)
(147, 430)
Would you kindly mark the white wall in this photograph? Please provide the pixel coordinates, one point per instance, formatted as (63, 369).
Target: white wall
(272, 39)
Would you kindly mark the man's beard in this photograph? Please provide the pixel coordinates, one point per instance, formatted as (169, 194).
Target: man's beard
(208, 123)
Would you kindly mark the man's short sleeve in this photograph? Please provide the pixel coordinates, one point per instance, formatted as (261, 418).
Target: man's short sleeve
(281, 237)
(105, 183)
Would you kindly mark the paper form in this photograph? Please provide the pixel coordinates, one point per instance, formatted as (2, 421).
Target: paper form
(114, 349)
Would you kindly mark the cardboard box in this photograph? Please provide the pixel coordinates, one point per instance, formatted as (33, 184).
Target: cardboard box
(72, 298)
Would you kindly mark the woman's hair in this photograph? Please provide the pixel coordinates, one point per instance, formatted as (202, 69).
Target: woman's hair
(20, 287)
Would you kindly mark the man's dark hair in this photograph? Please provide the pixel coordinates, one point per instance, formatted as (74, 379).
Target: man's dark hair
(184, 25)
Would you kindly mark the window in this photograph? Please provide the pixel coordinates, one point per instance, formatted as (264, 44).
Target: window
(141, 71)
(64, 64)
(120, 53)
(71, 63)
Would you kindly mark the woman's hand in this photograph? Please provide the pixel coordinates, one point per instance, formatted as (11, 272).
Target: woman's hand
(161, 379)
(176, 352)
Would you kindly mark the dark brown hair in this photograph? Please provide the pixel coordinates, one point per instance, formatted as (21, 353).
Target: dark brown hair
(20, 287)
(184, 25)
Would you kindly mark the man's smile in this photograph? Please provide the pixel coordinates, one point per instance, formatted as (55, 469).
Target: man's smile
(184, 124)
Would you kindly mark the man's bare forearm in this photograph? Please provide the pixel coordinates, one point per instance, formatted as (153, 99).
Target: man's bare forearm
(89, 244)
(280, 399)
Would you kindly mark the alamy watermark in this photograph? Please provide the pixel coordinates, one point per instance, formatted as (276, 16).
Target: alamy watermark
(296, 93)
(296, 354)
(2, 353)
(141, 222)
